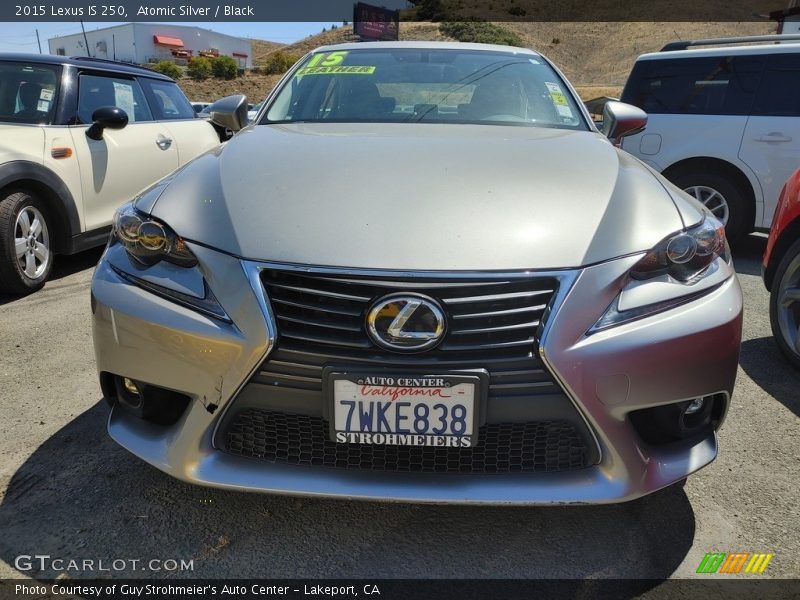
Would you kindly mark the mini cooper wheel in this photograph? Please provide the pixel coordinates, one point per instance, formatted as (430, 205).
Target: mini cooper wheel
(26, 256)
(784, 305)
(721, 196)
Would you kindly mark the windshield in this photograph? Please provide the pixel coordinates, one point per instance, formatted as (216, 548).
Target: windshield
(431, 86)
(27, 93)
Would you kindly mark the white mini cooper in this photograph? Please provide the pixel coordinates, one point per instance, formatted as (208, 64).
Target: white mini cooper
(78, 137)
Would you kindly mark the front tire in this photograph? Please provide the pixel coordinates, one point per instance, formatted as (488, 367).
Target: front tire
(784, 305)
(721, 196)
(26, 255)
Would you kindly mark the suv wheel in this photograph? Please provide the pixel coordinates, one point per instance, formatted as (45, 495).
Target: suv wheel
(784, 305)
(721, 196)
(25, 252)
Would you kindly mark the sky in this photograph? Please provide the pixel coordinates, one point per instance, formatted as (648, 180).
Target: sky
(21, 37)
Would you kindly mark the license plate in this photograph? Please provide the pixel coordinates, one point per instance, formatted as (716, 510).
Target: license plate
(405, 410)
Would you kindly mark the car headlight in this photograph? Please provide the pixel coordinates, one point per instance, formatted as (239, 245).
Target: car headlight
(683, 267)
(148, 240)
(685, 256)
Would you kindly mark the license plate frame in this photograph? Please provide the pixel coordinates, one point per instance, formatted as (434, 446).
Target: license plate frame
(478, 377)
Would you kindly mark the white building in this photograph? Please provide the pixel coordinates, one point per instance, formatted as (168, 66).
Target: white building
(150, 42)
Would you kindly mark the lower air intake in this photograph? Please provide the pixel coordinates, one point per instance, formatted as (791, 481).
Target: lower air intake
(277, 437)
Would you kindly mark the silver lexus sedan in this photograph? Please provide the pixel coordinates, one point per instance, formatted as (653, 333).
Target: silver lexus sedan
(421, 274)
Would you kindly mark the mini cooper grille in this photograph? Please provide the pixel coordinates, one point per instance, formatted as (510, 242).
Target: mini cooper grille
(492, 324)
(502, 447)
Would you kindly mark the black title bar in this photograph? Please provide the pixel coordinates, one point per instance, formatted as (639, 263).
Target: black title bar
(209, 11)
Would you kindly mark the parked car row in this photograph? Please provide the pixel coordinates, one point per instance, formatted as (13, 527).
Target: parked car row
(377, 326)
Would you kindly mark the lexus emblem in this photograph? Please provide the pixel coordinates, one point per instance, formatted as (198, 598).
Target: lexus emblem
(410, 322)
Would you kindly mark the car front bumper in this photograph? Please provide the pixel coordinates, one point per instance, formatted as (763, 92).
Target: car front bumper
(686, 352)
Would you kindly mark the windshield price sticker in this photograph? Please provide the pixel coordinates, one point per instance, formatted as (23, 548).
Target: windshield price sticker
(330, 63)
(348, 70)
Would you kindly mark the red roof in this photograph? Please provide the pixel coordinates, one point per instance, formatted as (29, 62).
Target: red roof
(240, 54)
(164, 40)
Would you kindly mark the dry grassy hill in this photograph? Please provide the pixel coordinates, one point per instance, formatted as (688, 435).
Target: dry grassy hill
(263, 48)
(596, 57)
(602, 54)
(256, 86)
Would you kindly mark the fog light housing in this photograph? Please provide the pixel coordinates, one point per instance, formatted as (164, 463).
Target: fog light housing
(145, 401)
(693, 418)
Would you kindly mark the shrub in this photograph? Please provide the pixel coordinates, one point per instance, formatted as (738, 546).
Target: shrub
(224, 67)
(168, 68)
(479, 32)
(279, 62)
(432, 10)
(199, 68)
(517, 11)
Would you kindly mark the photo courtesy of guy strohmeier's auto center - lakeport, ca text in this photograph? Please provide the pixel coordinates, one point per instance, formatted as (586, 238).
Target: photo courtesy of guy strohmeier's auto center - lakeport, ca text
(491, 299)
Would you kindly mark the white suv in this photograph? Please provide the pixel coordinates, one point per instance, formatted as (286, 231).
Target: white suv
(78, 138)
(724, 122)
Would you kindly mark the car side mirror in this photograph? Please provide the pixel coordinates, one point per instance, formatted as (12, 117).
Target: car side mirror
(110, 117)
(621, 120)
(229, 112)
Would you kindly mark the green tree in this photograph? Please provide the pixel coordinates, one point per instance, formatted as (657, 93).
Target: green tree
(279, 62)
(224, 67)
(199, 68)
(168, 68)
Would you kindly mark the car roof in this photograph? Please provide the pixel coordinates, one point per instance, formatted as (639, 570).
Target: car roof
(427, 46)
(97, 64)
(782, 48)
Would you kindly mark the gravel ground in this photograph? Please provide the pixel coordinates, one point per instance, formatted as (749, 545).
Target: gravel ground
(70, 492)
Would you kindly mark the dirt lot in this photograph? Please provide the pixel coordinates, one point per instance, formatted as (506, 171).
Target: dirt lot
(70, 492)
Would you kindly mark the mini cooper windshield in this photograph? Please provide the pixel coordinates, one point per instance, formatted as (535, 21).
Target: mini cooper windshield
(432, 86)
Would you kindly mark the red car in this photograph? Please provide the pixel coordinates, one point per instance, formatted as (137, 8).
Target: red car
(781, 271)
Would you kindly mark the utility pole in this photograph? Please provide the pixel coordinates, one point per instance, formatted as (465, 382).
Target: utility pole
(86, 41)
(38, 41)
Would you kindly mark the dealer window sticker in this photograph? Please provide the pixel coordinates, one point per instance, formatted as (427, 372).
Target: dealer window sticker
(347, 70)
(46, 95)
(330, 63)
(43, 106)
(559, 100)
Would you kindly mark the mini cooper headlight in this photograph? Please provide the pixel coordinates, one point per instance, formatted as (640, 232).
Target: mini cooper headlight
(148, 240)
(685, 256)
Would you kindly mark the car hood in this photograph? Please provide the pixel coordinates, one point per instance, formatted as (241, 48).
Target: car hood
(419, 197)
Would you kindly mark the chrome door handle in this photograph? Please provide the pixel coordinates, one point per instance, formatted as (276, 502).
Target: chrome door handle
(773, 137)
(163, 142)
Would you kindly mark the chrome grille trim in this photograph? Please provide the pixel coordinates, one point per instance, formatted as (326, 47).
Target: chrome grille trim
(493, 321)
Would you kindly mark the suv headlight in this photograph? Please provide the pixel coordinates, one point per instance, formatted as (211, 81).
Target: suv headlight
(148, 240)
(685, 256)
